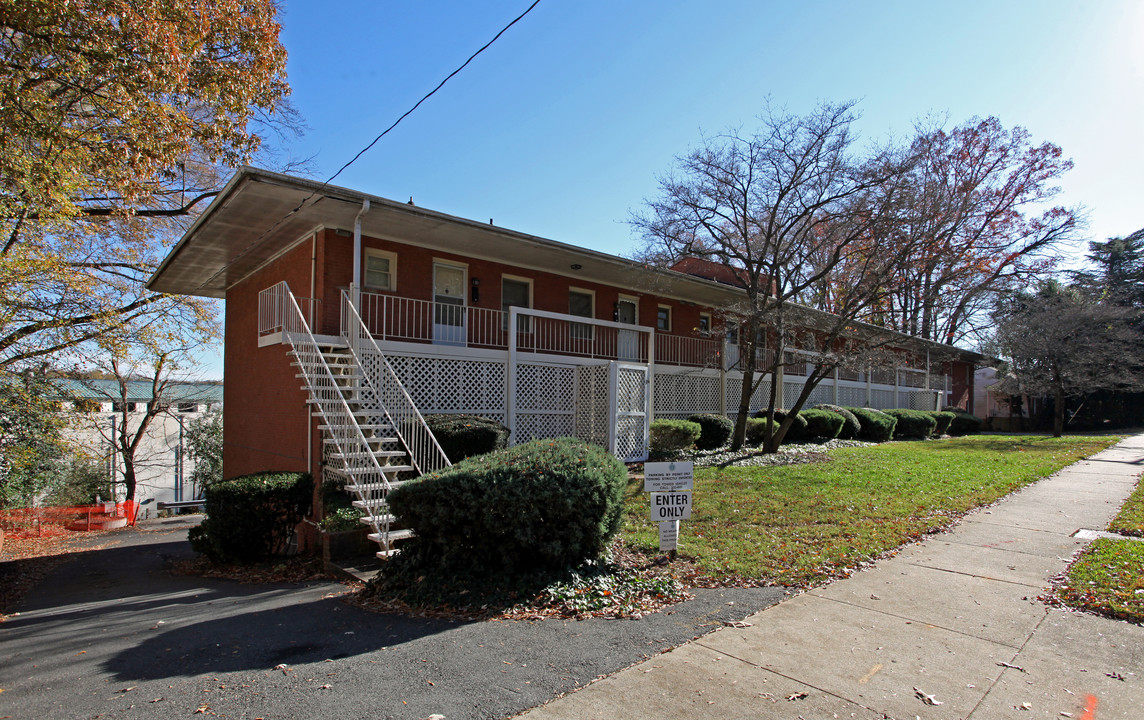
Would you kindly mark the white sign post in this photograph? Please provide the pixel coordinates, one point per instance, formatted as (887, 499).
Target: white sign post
(670, 484)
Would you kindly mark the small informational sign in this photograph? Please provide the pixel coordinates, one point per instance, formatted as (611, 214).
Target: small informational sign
(669, 476)
(670, 506)
(668, 535)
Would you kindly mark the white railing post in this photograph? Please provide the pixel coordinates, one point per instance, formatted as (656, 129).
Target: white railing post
(510, 372)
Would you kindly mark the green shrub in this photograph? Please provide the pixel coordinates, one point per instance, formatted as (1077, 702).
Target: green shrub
(912, 423)
(252, 517)
(877, 426)
(757, 430)
(943, 420)
(797, 430)
(464, 436)
(547, 504)
(822, 423)
(715, 430)
(964, 423)
(850, 425)
(672, 436)
(342, 519)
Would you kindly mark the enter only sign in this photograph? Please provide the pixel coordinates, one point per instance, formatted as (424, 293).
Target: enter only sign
(670, 506)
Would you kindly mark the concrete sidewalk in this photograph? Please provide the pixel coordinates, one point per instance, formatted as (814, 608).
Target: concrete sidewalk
(956, 618)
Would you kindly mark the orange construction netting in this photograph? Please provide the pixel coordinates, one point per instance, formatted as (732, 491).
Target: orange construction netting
(47, 521)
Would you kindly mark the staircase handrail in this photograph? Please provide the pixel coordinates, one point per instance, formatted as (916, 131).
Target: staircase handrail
(300, 326)
(425, 452)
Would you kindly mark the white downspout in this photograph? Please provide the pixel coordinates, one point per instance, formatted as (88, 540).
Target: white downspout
(355, 288)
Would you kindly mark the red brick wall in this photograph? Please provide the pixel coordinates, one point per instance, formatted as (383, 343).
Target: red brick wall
(264, 409)
(415, 280)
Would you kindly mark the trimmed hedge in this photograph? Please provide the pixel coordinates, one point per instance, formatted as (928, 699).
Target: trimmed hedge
(965, 424)
(464, 436)
(914, 424)
(822, 423)
(850, 425)
(252, 517)
(877, 426)
(715, 430)
(797, 430)
(756, 430)
(943, 420)
(544, 505)
(671, 436)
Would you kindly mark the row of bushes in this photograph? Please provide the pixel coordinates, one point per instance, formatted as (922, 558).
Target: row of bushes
(709, 432)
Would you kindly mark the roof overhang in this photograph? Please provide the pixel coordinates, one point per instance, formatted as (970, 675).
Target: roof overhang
(260, 214)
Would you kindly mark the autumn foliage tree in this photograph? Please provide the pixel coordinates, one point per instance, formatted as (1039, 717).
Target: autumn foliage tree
(981, 223)
(115, 117)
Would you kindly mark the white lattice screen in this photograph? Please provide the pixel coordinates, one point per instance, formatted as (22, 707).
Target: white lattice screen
(679, 395)
(882, 399)
(849, 396)
(759, 400)
(591, 422)
(443, 385)
(918, 400)
(631, 413)
(545, 401)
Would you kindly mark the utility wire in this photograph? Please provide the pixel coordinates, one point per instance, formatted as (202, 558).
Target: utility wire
(434, 90)
(366, 149)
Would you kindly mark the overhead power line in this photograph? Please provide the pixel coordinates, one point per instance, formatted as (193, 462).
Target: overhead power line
(366, 149)
(433, 91)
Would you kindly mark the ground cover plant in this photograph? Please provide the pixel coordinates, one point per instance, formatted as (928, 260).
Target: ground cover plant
(1107, 579)
(1130, 519)
(797, 525)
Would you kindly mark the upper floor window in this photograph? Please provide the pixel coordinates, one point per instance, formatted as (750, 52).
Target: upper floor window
(663, 318)
(704, 324)
(581, 303)
(516, 292)
(380, 270)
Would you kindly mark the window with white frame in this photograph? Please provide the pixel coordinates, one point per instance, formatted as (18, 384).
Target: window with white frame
(380, 270)
(704, 324)
(663, 318)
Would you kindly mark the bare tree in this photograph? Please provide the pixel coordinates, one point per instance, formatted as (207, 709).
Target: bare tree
(798, 217)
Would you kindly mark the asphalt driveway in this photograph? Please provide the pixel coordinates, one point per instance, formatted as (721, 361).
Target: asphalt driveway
(113, 634)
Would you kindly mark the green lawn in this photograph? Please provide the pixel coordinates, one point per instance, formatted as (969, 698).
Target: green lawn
(797, 525)
(1130, 519)
(1108, 577)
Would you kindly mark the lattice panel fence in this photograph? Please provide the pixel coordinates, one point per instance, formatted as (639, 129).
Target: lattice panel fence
(545, 401)
(631, 413)
(443, 385)
(824, 393)
(680, 395)
(759, 400)
(591, 421)
(882, 399)
(918, 400)
(851, 396)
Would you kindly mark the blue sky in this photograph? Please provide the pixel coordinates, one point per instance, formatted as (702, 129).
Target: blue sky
(561, 128)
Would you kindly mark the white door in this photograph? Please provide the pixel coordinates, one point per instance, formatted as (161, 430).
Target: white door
(628, 342)
(448, 305)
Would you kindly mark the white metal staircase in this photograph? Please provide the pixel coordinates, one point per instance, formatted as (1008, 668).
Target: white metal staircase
(373, 435)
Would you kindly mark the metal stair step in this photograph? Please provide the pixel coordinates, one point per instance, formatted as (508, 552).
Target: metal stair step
(374, 487)
(394, 536)
(364, 453)
(377, 519)
(352, 472)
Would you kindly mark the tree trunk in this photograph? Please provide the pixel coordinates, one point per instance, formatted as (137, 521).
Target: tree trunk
(1059, 412)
